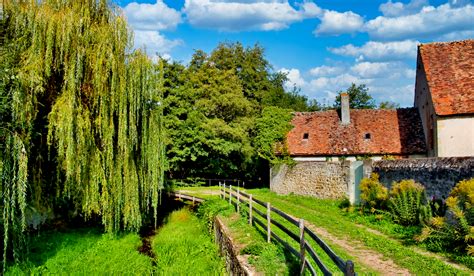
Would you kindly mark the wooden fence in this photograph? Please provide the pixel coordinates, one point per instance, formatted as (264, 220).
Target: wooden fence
(304, 236)
(194, 199)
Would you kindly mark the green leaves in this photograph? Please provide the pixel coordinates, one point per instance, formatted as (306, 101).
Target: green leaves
(86, 111)
(359, 98)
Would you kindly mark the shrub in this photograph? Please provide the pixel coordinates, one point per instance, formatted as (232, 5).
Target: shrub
(372, 193)
(454, 231)
(406, 203)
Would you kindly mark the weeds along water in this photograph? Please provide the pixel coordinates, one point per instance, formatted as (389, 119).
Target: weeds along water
(181, 245)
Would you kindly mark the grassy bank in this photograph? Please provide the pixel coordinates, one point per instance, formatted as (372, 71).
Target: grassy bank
(266, 258)
(395, 243)
(183, 246)
(83, 251)
(326, 214)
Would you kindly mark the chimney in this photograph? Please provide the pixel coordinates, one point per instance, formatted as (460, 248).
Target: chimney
(345, 116)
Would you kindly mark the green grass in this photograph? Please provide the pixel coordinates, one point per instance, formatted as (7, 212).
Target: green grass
(183, 246)
(83, 251)
(202, 192)
(326, 214)
(267, 258)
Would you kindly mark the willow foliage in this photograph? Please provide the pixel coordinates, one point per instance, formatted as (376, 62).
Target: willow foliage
(80, 114)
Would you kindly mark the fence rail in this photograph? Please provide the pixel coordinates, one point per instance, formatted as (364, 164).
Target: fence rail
(238, 198)
(186, 197)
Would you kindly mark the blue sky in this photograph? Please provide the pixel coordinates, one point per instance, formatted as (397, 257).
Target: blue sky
(324, 46)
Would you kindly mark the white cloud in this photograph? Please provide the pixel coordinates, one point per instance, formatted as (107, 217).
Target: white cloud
(429, 22)
(155, 43)
(371, 69)
(379, 51)
(152, 17)
(246, 15)
(461, 35)
(294, 78)
(335, 23)
(395, 9)
(325, 71)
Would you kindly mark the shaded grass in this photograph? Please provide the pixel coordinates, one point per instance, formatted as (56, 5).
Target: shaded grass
(267, 258)
(83, 251)
(183, 246)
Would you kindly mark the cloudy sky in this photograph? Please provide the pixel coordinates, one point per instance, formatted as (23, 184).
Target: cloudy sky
(324, 46)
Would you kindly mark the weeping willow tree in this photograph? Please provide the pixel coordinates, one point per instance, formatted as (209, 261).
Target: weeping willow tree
(80, 116)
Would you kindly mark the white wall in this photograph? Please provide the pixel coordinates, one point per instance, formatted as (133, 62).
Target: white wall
(455, 136)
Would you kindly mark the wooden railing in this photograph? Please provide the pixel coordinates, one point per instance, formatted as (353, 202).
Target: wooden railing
(186, 197)
(305, 237)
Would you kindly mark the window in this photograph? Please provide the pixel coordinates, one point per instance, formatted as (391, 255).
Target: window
(367, 136)
(305, 136)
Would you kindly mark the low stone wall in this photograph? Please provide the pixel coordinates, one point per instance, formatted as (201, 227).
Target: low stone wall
(438, 175)
(312, 178)
(235, 263)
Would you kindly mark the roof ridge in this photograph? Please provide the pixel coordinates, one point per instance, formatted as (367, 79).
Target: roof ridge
(447, 42)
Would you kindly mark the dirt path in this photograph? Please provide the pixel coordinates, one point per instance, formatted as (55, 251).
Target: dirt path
(420, 250)
(362, 254)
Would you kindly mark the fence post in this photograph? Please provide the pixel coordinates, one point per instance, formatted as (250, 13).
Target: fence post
(349, 269)
(230, 194)
(250, 209)
(238, 200)
(221, 188)
(269, 231)
(193, 200)
(302, 247)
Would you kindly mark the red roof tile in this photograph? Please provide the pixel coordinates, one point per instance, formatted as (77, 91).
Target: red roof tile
(396, 132)
(449, 69)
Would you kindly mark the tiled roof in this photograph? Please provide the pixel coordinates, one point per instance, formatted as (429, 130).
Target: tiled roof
(370, 132)
(449, 69)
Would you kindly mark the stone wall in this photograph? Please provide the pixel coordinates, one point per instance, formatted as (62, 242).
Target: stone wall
(235, 263)
(311, 178)
(438, 175)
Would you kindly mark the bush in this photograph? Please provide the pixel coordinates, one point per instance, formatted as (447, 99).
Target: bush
(373, 194)
(406, 203)
(454, 231)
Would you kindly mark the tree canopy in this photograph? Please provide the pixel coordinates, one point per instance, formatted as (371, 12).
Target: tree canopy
(80, 116)
(214, 109)
(359, 97)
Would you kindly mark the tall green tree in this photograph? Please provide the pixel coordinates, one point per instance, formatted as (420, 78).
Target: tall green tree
(80, 116)
(359, 97)
(216, 107)
(388, 105)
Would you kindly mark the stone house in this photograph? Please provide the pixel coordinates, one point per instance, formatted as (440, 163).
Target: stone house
(444, 96)
(326, 146)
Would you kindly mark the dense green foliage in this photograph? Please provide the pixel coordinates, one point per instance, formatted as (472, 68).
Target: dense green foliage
(224, 112)
(455, 230)
(359, 97)
(372, 193)
(183, 246)
(448, 227)
(84, 251)
(406, 202)
(80, 119)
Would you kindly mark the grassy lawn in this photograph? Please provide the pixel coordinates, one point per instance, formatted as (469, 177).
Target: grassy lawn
(326, 214)
(83, 251)
(183, 246)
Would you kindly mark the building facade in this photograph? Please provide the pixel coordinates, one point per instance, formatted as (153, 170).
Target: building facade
(444, 97)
